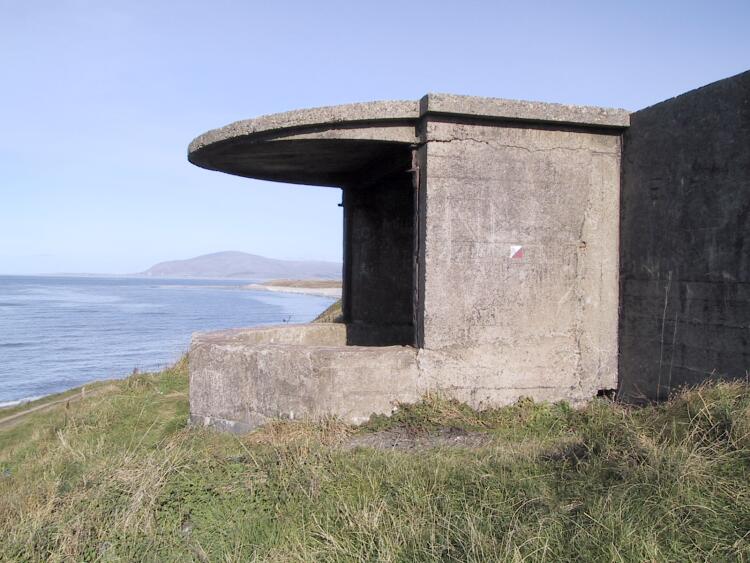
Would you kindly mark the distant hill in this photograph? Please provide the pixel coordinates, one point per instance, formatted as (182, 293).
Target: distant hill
(244, 266)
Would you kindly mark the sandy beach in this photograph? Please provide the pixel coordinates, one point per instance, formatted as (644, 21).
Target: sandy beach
(324, 288)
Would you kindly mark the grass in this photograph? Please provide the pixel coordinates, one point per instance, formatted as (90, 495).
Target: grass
(333, 314)
(69, 394)
(117, 476)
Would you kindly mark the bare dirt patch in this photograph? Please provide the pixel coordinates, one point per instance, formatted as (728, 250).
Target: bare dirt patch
(407, 439)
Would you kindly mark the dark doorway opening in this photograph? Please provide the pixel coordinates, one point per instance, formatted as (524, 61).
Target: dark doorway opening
(379, 236)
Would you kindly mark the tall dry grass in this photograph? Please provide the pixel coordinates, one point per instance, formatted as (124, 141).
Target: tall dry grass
(118, 477)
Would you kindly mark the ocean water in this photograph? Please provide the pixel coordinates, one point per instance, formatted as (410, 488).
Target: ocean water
(61, 332)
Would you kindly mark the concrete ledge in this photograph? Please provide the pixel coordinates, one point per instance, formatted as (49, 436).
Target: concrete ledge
(239, 379)
(519, 110)
(369, 114)
(332, 116)
(322, 334)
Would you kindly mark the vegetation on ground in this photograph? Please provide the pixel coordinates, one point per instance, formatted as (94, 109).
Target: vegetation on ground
(70, 394)
(118, 476)
(333, 314)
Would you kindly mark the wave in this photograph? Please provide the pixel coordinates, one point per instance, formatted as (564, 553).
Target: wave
(20, 401)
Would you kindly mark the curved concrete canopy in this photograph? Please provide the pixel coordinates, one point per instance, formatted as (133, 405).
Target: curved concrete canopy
(329, 146)
(322, 146)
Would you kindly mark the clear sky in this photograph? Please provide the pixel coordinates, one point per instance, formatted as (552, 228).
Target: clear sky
(99, 100)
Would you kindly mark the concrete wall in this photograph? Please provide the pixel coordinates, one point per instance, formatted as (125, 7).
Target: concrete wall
(379, 260)
(499, 321)
(240, 379)
(685, 246)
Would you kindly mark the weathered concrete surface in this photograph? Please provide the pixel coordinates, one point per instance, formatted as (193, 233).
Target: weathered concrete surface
(242, 379)
(327, 146)
(685, 241)
(331, 146)
(363, 114)
(524, 221)
(523, 111)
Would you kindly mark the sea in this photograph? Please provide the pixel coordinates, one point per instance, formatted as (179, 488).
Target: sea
(58, 332)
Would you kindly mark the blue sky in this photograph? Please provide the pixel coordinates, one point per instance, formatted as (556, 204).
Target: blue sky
(99, 100)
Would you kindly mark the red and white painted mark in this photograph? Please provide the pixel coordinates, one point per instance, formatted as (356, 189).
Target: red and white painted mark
(516, 251)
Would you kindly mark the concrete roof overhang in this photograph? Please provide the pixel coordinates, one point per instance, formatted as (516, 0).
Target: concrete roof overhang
(322, 146)
(329, 146)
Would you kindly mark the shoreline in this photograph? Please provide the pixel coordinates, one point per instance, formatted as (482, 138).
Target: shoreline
(318, 287)
(332, 292)
(17, 402)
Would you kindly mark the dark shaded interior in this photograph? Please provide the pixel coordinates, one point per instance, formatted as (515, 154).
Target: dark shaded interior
(315, 162)
(379, 218)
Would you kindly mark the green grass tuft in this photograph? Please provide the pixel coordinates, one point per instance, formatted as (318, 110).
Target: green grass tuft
(333, 314)
(118, 476)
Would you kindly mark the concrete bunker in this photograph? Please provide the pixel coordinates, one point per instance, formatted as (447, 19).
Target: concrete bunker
(482, 249)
